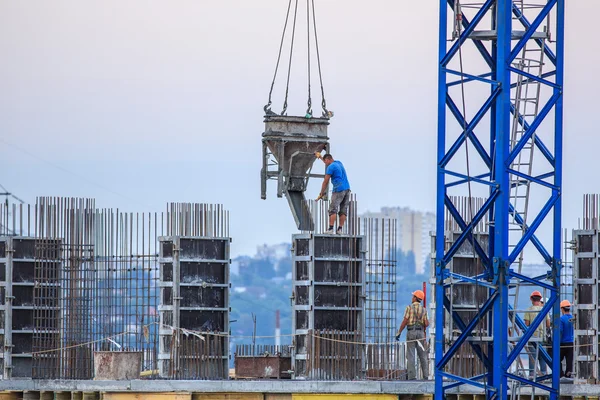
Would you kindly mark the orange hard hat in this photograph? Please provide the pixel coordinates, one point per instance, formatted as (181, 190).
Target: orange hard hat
(419, 294)
(565, 304)
(536, 293)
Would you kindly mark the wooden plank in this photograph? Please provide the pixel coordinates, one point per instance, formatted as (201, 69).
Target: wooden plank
(46, 396)
(11, 396)
(344, 396)
(228, 396)
(278, 397)
(147, 396)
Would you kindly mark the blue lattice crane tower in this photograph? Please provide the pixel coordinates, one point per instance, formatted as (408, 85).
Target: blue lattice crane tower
(509, 45)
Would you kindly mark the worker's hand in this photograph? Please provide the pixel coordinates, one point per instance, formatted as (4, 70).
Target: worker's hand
(317, 154)
(320, 196)
(398, 337)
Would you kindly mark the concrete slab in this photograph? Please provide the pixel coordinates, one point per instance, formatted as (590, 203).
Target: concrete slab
(266, 386)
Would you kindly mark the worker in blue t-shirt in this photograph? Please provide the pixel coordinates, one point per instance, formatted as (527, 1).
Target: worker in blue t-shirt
(340, 198)
(566, 338)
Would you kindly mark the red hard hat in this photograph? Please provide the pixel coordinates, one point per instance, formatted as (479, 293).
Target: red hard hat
(536, 293)
(419, 294)
(565, 304)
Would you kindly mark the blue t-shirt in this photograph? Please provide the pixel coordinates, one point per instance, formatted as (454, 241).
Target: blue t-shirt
(566, 329)
(338, 176)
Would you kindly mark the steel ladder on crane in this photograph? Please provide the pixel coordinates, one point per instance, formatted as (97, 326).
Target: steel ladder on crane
(526, 104)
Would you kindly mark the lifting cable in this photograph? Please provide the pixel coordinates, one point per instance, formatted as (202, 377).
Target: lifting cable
(457, 34)
(267, 107)
(309, 4)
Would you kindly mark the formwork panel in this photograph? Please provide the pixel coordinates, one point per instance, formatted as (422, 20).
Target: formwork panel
(328, 307)
(194, 303)
(586, 272)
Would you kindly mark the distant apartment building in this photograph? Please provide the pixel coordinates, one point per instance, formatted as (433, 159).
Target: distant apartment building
(413, 234)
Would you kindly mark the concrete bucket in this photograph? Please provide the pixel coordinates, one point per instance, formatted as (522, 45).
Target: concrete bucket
(292, 142)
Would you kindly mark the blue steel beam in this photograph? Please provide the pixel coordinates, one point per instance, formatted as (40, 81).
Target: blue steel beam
(523, 327)
(468, 230)
(466, 381)
(532, 228)
(466, 332)
(549, 53)
(536, 242)
(473, 378)
(462, 326)
(557, 215)
(469, 28)
(532, 128)
(531, 29)
(485, 54)
(463, 226)
(470, 127)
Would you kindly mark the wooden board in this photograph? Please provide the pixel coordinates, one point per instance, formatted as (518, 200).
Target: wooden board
(228, 396)
(344, 396)
(147, 396)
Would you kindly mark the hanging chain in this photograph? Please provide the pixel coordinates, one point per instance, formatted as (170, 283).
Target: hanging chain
(309, 110)
(287, 86)
(267, 107)
(326, 113)
(309, 102)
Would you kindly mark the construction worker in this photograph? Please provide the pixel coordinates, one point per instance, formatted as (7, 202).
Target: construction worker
(566, 338)
(530, 315)
(340, 198)
(415, 321)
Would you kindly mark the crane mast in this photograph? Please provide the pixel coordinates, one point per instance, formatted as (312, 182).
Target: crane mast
(512, 51)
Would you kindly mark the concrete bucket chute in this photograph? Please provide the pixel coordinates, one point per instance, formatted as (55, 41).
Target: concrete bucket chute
(289, 144)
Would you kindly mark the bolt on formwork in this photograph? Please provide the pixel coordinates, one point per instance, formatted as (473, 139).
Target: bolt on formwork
(194, 295)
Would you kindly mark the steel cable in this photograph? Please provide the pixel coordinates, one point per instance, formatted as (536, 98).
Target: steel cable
(267, 107)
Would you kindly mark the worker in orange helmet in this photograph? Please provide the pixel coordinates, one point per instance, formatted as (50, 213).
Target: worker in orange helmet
(415, 321)
(538, 335)
(566, 338)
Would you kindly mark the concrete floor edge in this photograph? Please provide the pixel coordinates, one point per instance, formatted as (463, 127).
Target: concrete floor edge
(273, 386)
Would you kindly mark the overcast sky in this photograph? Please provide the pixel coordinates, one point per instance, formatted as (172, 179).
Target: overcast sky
(137, 103)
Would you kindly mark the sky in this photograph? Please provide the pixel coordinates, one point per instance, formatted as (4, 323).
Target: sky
(137, 103)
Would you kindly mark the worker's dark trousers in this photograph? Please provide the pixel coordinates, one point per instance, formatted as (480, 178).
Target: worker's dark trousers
(566, 352)
(420, 347)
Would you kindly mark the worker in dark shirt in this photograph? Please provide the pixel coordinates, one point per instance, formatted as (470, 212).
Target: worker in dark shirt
(566, 338)
(340, 198)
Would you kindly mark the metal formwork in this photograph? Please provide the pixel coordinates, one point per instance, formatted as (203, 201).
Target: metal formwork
(19, 257)
(585, 280)
(328, 305)
(194, 307)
